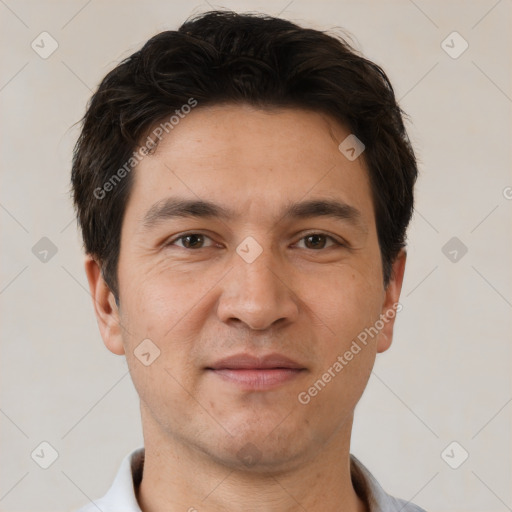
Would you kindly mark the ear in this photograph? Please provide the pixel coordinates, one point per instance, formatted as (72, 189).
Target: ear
(105, 307)
(391, 306)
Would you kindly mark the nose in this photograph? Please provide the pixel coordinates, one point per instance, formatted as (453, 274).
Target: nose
(257, 294)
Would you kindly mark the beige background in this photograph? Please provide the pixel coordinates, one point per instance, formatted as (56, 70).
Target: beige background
(447, 376)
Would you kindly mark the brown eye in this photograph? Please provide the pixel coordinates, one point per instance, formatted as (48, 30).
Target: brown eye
(317, 241)
(190, 241)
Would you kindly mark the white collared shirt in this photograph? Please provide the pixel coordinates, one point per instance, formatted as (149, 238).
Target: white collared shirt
(121, 496)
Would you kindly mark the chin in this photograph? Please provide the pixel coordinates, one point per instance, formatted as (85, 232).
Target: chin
(258, 451)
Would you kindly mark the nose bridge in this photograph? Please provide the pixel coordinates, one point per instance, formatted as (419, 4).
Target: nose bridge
(255, 292)
(260, 273)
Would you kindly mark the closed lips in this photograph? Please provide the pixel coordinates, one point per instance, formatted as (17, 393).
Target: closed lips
(250, 362)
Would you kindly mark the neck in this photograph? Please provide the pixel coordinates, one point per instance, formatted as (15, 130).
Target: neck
(181, 477)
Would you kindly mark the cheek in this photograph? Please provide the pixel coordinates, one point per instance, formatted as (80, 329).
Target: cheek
(344, 303)
(336, 387)
(157, 298)
(349, 304)
(161, 389)
(168, 309)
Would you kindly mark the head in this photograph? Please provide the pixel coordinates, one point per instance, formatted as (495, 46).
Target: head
(225, 209)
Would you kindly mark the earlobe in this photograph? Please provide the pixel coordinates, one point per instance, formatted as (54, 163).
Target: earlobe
(391, 305)
(105, 307)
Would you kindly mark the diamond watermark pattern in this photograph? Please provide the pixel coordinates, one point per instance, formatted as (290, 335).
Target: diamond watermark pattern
(351, 147)
(44, 455)
(454, 249)
(44, 45)
(454, 455)
(454, 45)
(249, 249)
(249, 454)
(147, 352)
(44, 250)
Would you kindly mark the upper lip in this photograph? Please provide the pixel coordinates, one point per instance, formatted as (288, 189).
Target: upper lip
(247, 361)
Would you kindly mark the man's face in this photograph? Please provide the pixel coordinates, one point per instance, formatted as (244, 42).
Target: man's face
(266, 281)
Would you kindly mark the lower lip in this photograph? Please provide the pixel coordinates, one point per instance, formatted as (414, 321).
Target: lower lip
(258, 379)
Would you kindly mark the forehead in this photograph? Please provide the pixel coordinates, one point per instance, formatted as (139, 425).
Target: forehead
(251, 160)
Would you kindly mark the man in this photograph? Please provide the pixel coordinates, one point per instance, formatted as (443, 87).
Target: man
(243, 186)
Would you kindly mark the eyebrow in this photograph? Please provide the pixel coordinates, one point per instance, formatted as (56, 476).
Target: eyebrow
(175, 207)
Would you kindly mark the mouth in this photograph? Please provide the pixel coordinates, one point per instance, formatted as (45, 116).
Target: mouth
(256, 373)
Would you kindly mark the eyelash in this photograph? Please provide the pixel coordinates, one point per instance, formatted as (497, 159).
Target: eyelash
(184, 235)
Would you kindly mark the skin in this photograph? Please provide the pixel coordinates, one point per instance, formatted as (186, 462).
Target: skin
(199, 304)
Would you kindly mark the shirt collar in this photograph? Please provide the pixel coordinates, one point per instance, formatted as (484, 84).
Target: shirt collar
(122, 493)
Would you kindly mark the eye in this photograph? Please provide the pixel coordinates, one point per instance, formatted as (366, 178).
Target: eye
(312, 241)
(317, 241)
(190, 241)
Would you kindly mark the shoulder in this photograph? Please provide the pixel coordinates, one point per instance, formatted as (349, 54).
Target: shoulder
(95, 506)
(397, 504)
(374, 495)
(122, 493)
(91, 507)
(104, 504)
